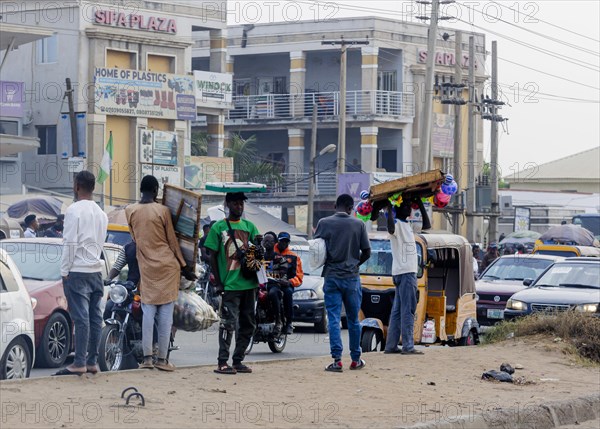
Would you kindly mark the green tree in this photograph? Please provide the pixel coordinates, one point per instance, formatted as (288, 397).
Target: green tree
(199, 143)
(247, 165)
(486, 171)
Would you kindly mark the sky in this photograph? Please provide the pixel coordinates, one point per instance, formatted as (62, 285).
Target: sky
(548, 66)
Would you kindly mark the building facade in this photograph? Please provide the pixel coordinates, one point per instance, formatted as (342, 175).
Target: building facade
(129, 65)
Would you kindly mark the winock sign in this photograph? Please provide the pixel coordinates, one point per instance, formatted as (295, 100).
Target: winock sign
(213, 89)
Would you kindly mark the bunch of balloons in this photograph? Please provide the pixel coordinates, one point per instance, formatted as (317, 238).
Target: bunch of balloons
(444, 193)
(364, 208)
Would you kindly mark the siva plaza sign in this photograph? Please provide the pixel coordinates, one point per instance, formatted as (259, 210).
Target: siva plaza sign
(135, 21)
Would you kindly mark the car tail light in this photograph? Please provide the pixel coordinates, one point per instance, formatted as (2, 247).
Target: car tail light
(33, 303)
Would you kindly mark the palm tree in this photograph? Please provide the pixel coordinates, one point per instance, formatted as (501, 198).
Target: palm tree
(247, 165)
(199, 143)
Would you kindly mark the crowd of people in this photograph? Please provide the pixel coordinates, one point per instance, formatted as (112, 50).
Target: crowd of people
(156, 266)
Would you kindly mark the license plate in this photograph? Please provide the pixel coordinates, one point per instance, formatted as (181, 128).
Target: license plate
(495, 314)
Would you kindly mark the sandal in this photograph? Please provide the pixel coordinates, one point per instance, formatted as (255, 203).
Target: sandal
(164, 365)
(92, 369)
(66, 371)
(335, 367)
(240, 367)
(225, 369)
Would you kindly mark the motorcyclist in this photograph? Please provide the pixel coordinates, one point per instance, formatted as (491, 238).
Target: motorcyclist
(285, 268)
(127, 258)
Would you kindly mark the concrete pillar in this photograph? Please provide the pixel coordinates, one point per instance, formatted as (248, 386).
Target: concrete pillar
(218, 51)
(216, 134)
(370, 55)
(297, 82)
(229, 64)
(368, 149)
(295, 151)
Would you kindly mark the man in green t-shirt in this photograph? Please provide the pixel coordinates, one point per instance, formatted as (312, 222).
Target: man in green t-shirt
(239, 293)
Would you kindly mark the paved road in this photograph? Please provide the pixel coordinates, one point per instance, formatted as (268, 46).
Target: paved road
(199, 348)
(591, 424)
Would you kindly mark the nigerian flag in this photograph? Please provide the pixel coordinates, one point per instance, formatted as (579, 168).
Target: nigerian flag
(106, 161)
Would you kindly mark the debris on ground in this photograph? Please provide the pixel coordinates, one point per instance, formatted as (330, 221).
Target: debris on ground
(494, 375)
(506, 367)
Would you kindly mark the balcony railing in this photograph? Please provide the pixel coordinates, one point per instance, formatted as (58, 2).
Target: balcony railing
(358, 103)
(297, 184)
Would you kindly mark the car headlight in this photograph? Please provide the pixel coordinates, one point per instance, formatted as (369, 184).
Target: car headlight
(305, 294)
(513, 304)
(587, 308)
(33, 303)
(117, 294)
(476, 297)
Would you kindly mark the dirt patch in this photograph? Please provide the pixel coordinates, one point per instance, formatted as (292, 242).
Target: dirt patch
(392, 391)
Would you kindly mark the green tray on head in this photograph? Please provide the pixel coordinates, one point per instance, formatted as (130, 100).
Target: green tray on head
(235, 187)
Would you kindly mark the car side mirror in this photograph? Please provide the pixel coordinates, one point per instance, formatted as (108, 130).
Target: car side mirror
(527, 282)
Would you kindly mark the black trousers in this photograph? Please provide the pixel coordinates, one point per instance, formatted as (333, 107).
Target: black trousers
(288, 300)
(237, 315)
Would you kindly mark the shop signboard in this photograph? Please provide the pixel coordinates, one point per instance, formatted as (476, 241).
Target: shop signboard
(164, 173)
(165, 148)
(206, 169)
(11, 99)
(442, 135)
(522, 219)
(146, 94)
(213, 89)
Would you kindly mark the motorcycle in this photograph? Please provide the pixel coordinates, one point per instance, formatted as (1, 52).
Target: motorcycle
(121, 338)
(205, 286)
(265, 322)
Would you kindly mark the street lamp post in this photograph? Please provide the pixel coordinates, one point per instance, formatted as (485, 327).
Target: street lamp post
(312, 180)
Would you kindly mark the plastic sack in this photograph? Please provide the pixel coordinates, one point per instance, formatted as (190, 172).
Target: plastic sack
(317, 253)
(192, 313)
(497, 375)
(429, 336)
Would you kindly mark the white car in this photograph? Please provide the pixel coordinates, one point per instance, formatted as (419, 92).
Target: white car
(16, 310)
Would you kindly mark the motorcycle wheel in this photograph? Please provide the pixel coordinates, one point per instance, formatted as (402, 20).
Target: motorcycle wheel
(278, 345)
(110, 357)
(250, 345)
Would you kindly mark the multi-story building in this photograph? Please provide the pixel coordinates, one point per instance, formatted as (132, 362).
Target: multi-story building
(129, 64)
(282, 69)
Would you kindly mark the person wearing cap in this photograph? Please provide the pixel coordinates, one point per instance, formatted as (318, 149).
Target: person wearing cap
(56, 230)
(290, 276)
(32, 226)
(491, 255)
(239, 292)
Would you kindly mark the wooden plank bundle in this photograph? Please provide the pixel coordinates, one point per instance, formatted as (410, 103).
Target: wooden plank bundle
(419, 185)
(185, 208)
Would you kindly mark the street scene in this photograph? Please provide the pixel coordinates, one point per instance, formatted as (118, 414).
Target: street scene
(300, 214)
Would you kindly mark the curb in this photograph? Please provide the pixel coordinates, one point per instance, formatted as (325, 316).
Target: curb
(526, 416)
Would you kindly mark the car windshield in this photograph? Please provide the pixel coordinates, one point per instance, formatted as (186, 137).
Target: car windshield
(302, 252)
(118, 237)
(517, 268)
(36, 261)
(380, 262)
(572, 274)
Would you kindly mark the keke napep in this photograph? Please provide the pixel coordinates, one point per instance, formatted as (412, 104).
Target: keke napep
(446, 300)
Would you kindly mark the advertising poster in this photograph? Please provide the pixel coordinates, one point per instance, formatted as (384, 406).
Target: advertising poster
(202, 169)
(146, 145)
(522, 219)
(144, 94)
(165, 148)
(442, 135)
(353, 184)
(213, 89)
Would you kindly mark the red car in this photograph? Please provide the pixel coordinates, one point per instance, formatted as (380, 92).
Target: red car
(38, 260)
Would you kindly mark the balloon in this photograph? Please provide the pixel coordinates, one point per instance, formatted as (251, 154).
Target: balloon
(449, 188)
(415, 206)
(364, 218)
(364, 195)
(428, 200)
(396, 199)
(364, 208)
(441, 200)
(449, 179)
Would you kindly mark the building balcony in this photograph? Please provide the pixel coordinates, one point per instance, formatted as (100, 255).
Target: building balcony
(360, 106)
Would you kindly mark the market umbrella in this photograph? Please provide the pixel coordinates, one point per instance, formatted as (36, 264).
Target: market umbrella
(44, 207)
(569, 234)
(520, 237)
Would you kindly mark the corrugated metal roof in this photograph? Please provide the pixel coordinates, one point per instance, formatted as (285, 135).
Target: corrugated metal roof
(583, 165)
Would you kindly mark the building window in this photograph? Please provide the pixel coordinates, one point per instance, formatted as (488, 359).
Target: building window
(388, 160)
(47, 50)
(387, 81)
(47, 136)
(9, 127)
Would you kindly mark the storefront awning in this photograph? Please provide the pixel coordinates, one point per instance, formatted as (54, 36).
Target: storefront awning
(12, 145)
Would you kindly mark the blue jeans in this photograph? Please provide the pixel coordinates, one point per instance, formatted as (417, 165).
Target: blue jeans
(84, 292)
(348, 291)
(402, 318)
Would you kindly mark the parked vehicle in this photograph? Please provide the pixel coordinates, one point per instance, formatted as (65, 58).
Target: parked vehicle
(38, 260)
(446, 291)
(265, 323)
(10, 228)
(121, 339)
(118, 234)
(589, 221)
(570, 284)
(502, 279)
(566, 250)
(17, 341)
(205, 287)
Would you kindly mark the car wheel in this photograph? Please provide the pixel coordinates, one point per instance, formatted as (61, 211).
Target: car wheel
(469, 340)
(322, 326)
(110, 356)
(16, 362)
(371, 341)
(56, 342)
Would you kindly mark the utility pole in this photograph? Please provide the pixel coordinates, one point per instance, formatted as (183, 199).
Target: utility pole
(341, 158)
(457, 122)
(471, 145)
(72, 119)
(425, 131)
(494, 147)
(312, 179)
